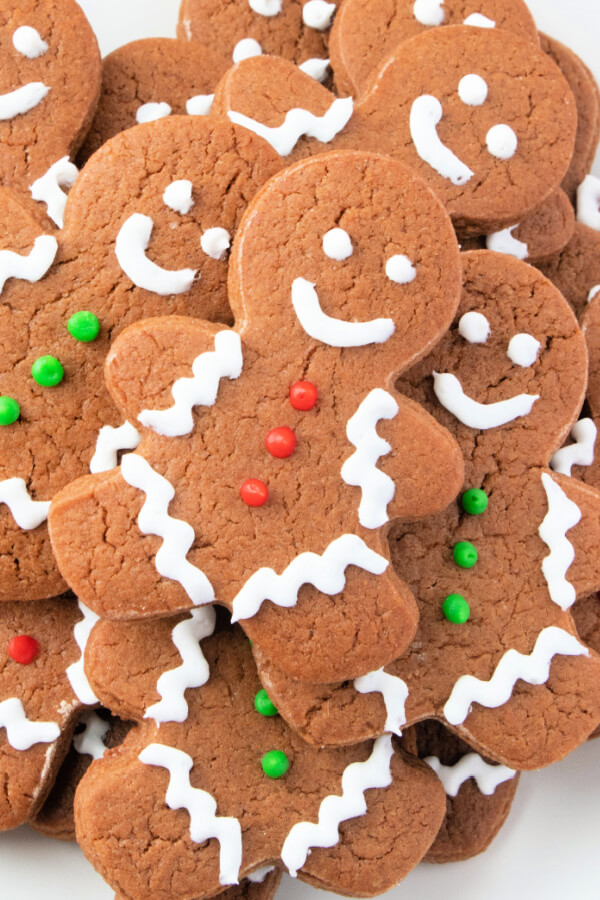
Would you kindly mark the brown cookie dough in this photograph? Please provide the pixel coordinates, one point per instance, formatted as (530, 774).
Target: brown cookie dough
(98, 264)
(576, 269)
(365, 33)
(147, 80)
(485, 117)
(247, 890)
(49, 86)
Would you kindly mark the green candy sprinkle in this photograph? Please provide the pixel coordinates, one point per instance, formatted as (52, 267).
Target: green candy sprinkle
(264, 705)
(47, 371)
(465, 554)
(84, 326)
(275, 764)
(456, 609)
(475, 501)
(9, 410)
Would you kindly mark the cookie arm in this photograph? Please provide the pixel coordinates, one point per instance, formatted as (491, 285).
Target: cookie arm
(583, 573)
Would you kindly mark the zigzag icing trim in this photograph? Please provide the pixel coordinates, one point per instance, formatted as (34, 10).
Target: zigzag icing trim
(90, 741)
(108, 444)
(562, 515)
(27, 513)
(23, 733)
(75, 673)
(177, 536)
(533, 668)
(202, 808)
(48, 189)
(201, 390)
(394, 692)
(581, 453)
(360, 469)
(325, 572)
(300, 123)
(488, 777)
(375, 772)
(192, 673)
(32, 267)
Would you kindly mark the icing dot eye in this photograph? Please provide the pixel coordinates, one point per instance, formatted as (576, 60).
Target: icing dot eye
(216, 242)
(23, 649)
(456, 609)
(84, 326)
(265, 7)
(474, 501)
(318, 14)
(399, 268)
(502, 141)
(47, 371)
(464, 554)
(178, 196)
(473, 90)
(254, 492)
(429, 12)
(150, 112)
(9, 411)
(246, 49)
(303, 395)
(264, 705)
(275, 764)
(337, 244)
(28, 42)
(474, 328)
(281, 442)
(523, 350)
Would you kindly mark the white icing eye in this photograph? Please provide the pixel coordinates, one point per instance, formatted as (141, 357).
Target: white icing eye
(265, 7)
(429, 12)
(316, 68)
(246, 49)
(473, 90)
(399, 268)
(178, 196)
(199, 105)
(502, 141)
(337, 244)
(215, 242)
(479, 21)
(474, 328)
(150, 112)
(29, 42)
(318, 14)
(523, 350)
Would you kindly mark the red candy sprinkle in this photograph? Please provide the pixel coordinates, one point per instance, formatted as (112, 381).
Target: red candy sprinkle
(303, 395)
(23, 649)
(254, 492)
(281, 442)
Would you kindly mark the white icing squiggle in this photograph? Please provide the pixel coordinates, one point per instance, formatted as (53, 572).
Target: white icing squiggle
(28, 42)
(318, 14)
(21, 732)
(108, 444)
(300, 123)
(178, 196)
(22, 100)
(27, 513)
(449, 391)
(562, 515)
(200, 105)
(150, 112)
(201, 807)
(505, 242)
(581, 453)
(246, 49)
(479, 21)
(48, 188)
(90, 741)
(394, 692)
(488, 777)
(265, 7)
(335, 332)
(75, 672)
(425, 115)
(326, 572)
(316, 68)
(130, 248)
(358, 777)
(360, 469)
(429, 12)
(474, 327)
(177, 536)
(588, 202)
(533, 668)
(225, 361)
(32, 267)
(193, 671)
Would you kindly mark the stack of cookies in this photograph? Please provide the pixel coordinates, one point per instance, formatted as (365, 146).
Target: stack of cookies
(299, 386)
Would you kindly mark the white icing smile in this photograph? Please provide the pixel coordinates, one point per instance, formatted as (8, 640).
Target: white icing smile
(335, 332)
(130, 248)
(451, 395)
(425, 115)
(22, 100)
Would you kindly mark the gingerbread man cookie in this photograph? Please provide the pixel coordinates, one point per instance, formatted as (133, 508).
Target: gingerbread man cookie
(545, 232)
(275, 455)
(147, 231)
(576, 269)
(485, 117)
(496, 655)
(229, 788)
(260, 885)
(49, 88)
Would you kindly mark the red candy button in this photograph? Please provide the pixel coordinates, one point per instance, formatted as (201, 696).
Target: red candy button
(23, 649)
(254, 492)
(281, 442)
(303, 395)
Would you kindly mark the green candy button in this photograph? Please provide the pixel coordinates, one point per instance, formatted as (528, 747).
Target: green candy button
(456, 609)
(465, 554)
(275, 764)
(47, 371)
(264, 705)
(475, 501)
(9, 410)
(84, 326)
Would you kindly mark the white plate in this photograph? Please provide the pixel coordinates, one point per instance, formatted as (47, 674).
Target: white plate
(549, 847)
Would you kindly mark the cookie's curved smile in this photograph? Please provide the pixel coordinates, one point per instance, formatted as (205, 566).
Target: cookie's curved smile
(335, 332)
(22, 100)
(450, 393)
